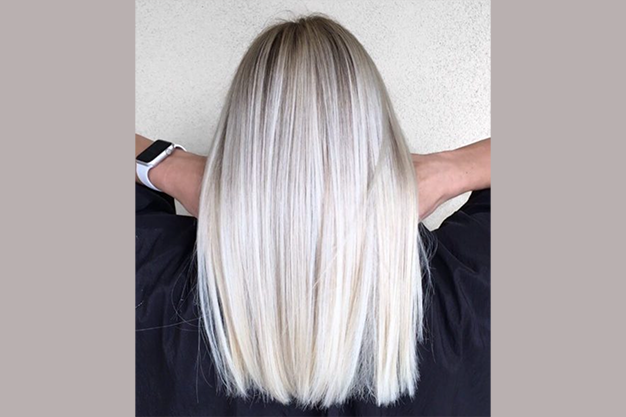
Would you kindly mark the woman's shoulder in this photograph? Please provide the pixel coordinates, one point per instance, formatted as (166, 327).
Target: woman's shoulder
(157, 225)
(164, 241)
(476, 212)
(466, 234)
(164, 247)
(460, 264)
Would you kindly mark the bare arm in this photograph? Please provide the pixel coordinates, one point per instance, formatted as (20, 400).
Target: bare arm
(444, 175)
(179, 175)
(441, 176)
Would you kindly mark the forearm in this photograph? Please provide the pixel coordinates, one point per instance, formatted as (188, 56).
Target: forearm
(166, 174)
(441, 176)
(469, 167)
(445, 175)
(179, 175)
(175, 172)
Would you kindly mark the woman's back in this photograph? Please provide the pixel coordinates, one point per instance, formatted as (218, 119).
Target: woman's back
(175, 374)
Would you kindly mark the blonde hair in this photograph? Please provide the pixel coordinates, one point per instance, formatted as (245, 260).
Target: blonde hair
(309, 276)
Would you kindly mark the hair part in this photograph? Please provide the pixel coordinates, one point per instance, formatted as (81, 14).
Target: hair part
(309, 277)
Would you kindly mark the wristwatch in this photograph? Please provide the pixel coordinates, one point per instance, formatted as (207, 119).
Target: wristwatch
(152, 157)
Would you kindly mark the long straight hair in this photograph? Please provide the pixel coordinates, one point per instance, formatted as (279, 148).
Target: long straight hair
(309, 277)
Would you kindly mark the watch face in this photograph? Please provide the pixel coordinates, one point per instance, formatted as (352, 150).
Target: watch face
(153, 151)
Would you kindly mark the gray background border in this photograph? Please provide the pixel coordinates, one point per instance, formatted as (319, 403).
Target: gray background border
(67, 274)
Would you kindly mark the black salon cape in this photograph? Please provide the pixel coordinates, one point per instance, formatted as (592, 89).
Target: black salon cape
(174, 372)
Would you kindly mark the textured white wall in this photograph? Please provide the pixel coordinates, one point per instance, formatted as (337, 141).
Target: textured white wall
(435, 57)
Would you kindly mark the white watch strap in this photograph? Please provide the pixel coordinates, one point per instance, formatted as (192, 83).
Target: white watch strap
(143, 170)
(142, 173)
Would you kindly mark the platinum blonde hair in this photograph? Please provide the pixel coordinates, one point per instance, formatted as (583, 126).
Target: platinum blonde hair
(308, 248)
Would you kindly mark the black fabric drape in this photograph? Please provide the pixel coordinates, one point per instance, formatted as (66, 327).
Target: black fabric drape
(174, 372)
